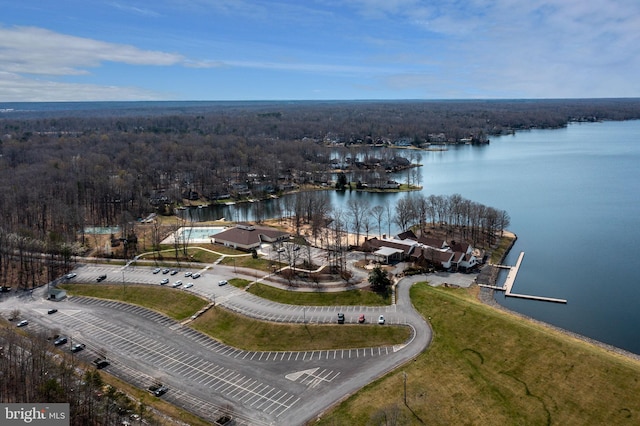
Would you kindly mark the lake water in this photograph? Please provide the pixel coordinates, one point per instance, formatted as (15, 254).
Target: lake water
(574, 199)
(573, 195)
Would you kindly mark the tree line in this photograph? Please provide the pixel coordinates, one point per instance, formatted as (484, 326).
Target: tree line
(32, 372)
(65, 170)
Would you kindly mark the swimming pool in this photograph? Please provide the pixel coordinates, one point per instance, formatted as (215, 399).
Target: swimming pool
(193, 234)
(101, 230)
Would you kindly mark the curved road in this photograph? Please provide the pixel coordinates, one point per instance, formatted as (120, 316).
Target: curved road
(211, 379)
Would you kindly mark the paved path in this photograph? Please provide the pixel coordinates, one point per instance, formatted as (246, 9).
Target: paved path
(317, 379)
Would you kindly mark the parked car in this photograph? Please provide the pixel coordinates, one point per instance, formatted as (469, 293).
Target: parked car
(187, 274)
(223, 282)
(70, 275)
(158, 389)
(361, 318)
(196, 275)
(173, 272)
(281, 250)
(176, 284)
(22, 323)
(101, 278)
(165, 271)
(78, 347)
(52, 311)
(381, 319)
(100, 363)
(156, 271)
(164, 281)
(340, 318)
(60, 341)
(188, 285)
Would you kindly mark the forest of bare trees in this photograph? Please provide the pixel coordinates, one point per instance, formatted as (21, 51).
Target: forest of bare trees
(32, 372)
(65, 169)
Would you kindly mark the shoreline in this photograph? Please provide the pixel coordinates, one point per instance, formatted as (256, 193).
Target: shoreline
(487, 296)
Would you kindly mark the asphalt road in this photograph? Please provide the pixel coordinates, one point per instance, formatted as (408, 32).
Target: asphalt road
(211, 379)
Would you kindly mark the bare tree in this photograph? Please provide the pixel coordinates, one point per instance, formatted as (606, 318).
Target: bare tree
(378, 212)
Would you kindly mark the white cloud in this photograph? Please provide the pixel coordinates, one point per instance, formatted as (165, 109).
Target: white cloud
(30, 50)
(15, 88)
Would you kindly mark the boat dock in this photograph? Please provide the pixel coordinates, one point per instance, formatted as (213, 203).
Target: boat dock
(511, 278)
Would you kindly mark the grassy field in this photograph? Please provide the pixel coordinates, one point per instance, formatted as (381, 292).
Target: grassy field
(182, 304)
(258, 264)
(241, 332)
(248, 334)
(342, 298)
(489, 367)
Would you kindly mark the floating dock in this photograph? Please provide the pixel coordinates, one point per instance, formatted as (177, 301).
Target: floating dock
(511, 278)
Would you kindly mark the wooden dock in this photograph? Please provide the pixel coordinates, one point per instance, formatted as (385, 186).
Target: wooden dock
(511, 278)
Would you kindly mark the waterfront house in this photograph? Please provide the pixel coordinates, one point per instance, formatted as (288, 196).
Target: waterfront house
(245, 236)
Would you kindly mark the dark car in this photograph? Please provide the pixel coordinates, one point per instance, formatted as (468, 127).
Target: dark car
(361, 318)
(78, 347)
(340, 318)
(100, 363)
(52, 311)
(101, 278)
(158, 389)
(60, 341)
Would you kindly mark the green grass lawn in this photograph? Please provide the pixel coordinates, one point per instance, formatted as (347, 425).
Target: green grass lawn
(258, 264)
(239, 282)
(241, 332)
(171, 302)
(341, 298)
(244, 333)
(489, 367)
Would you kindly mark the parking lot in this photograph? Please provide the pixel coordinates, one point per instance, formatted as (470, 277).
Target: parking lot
(203, 375)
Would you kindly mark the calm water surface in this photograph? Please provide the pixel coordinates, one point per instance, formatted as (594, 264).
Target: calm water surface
(574, 199)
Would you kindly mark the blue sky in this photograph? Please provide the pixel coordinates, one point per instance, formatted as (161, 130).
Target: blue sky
(85, 50)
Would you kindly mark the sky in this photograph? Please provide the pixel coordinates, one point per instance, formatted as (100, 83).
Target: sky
(136, 50)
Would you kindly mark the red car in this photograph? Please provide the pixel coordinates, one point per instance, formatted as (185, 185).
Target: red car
(361, 318)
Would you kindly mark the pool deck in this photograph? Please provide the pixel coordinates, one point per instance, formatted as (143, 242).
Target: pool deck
(509, 282)
(196, 236)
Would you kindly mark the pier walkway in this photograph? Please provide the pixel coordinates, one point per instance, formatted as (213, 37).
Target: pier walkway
(511, 278)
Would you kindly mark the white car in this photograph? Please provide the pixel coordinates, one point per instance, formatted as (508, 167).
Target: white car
(164, 281)
(196, 275)
(22, 323)
(381, 319)
(188, 285)
(70, 275)
(223, 282)
(176, 284)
